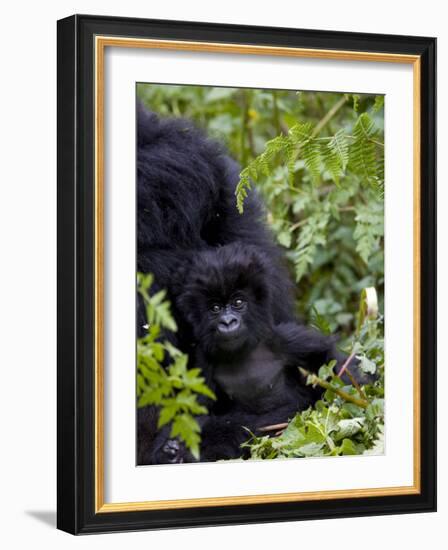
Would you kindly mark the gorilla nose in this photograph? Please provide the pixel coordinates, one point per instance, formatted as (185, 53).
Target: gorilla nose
(228, 323)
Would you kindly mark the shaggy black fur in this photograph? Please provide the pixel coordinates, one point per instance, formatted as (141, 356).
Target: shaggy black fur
(186, 203)
(248, 359)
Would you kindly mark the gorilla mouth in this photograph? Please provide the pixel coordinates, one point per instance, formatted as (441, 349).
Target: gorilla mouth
(231, 339)
(229, 333)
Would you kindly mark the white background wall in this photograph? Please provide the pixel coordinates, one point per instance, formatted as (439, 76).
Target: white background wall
(28, 270)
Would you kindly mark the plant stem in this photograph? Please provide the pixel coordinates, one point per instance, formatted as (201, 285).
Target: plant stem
(328, 138)
(315, 380)
(324, 121)
(297, 225)
(355, 383)
(273, 427)
(346, 364)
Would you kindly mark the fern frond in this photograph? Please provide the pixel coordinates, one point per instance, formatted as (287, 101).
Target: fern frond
(309, 150)
(241, 190)
(355, 98)
(336, 155)
(380, 173)
(260, 165)
(363, 156)
(312, 234)
(364, 127)
(300, 133)
(339, 147)
(291, 157)
(379, 103)
(369, 229)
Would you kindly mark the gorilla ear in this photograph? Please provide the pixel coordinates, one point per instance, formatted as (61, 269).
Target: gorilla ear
(257, 277)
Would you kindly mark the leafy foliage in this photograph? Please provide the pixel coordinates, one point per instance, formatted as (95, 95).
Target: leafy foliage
(317, 159)
(363, 156)
(163, 378)
(369, 229)
(348, 420)
(157, 308)
(336, 155)
(332, 428)
(332, 155)
(306, 203)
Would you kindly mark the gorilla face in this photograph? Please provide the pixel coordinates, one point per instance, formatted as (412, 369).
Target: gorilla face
(226, 299)
(230, 317)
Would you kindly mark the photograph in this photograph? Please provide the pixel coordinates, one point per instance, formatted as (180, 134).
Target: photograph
(260, 274)
(229, 214)
(246, 263)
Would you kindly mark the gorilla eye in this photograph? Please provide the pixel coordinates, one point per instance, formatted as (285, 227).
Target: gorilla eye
(238, 302)
(215, 308)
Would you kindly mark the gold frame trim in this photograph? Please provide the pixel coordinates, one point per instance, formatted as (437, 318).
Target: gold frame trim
(101, 42)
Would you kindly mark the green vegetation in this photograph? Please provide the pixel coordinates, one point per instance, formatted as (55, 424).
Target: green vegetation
(349, 419)
(163, 378)
(317, 158)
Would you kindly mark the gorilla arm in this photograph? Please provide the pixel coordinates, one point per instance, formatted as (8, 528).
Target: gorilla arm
(308, 348)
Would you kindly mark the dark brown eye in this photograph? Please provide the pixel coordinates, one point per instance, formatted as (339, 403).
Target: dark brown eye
(238, 302)
(215, 308)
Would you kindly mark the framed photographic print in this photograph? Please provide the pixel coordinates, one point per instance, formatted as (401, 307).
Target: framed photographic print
(246, 274)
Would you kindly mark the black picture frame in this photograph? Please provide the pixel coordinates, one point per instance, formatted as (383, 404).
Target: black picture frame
(76, 477)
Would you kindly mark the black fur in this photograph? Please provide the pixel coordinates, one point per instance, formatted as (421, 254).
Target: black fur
(186, 203)
(256, 379)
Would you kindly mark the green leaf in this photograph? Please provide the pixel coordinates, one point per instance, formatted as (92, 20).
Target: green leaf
(186, 427)
(179, 367)
(174, 389)
(312, 235)
(158, 298)
(319, 321)
(379, 103)
(310, 449)
(167, 413)
(369, 229)
(352, 410)
(349, 427)
(348, 447)
(314, 434)
(375, 409)
(172, 350)
(378, 446)
(187, 402)
(363, 159)
(242, 189)
(326, 371)
(336, 155)
(218, 94)
(284, 238)
(366, 364)
(310, 152)
(308, 148)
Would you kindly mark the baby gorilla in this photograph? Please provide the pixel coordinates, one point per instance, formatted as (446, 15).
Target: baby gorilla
(250, 362)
